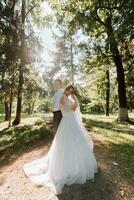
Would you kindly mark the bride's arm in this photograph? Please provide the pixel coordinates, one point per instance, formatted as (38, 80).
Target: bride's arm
(75, 102)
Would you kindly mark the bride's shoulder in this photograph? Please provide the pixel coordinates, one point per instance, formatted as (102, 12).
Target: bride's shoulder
(64, 96)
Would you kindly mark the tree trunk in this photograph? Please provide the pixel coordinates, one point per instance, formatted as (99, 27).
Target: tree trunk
(107, 92)
(32, 108)
(114, 101)
(20, 88)
(11, 99)
(6, 110)
(29, 108)
(131, 102)
(19, 98)
(123, 110)
(2, 80)
(71, 56)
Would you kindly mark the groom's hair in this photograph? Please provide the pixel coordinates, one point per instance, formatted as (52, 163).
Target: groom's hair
(58, 80)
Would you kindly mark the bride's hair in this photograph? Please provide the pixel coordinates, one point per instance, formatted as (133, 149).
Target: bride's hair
(71, 87)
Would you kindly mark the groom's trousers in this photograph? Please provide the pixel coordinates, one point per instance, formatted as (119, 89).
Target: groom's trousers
(57, 115)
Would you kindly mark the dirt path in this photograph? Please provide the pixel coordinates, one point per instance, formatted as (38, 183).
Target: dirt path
(108, 183)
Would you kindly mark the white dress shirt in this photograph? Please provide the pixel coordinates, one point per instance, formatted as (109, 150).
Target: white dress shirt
(57, 99)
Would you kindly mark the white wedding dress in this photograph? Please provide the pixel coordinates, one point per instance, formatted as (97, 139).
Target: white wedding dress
(70, 158)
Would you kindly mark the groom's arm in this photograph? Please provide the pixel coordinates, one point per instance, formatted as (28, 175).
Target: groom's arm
(63, 100)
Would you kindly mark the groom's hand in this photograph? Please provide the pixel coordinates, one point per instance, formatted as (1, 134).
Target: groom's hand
(53, 110)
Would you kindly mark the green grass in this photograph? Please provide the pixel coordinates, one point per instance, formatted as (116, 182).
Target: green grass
(25, 115)
(16, 139)
(119, 139)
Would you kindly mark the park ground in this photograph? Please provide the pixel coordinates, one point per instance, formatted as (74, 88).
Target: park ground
(113, 148)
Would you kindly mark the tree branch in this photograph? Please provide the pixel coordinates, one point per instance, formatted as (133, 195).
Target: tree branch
(94, 16)
(6, 3)
(98, 18)
(2, 24)
(30, 10)
(4, 18)
(12, 8)
(103, 54)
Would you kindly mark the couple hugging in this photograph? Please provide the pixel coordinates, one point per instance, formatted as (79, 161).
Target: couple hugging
(59, 99)
(70, 159)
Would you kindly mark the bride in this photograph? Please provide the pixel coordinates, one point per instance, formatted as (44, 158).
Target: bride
(70, 158)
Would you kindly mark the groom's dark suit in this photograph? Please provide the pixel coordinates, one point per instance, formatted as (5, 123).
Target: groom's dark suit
(57, 115)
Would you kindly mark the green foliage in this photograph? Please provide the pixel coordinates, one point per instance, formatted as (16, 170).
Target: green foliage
(45, 105)
(93, 95)
(20, 47)
(90, 58)
(106, 24)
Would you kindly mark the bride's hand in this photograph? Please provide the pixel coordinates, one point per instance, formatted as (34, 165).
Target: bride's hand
(74, 107)
(74, 97)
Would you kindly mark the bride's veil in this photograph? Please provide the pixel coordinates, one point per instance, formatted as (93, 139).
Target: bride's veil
(78, 114)
(80, 121)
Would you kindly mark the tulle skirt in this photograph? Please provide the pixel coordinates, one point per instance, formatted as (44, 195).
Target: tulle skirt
(70, 158)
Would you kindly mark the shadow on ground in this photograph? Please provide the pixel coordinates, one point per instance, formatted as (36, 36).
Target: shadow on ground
(20, 139)
(106, 184)
(109, 181)
(122, 153)
(102, 188)
(113, 125)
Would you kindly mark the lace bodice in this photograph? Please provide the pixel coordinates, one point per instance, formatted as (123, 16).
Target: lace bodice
(68, 106)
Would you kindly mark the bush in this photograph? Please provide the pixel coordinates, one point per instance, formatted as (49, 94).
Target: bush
(46, 105)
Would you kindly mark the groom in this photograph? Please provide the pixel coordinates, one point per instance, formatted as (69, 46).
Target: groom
(57, 115)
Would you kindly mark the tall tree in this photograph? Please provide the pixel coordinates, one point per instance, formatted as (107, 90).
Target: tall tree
(107, 20)
(107, 92)
(21, 65)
